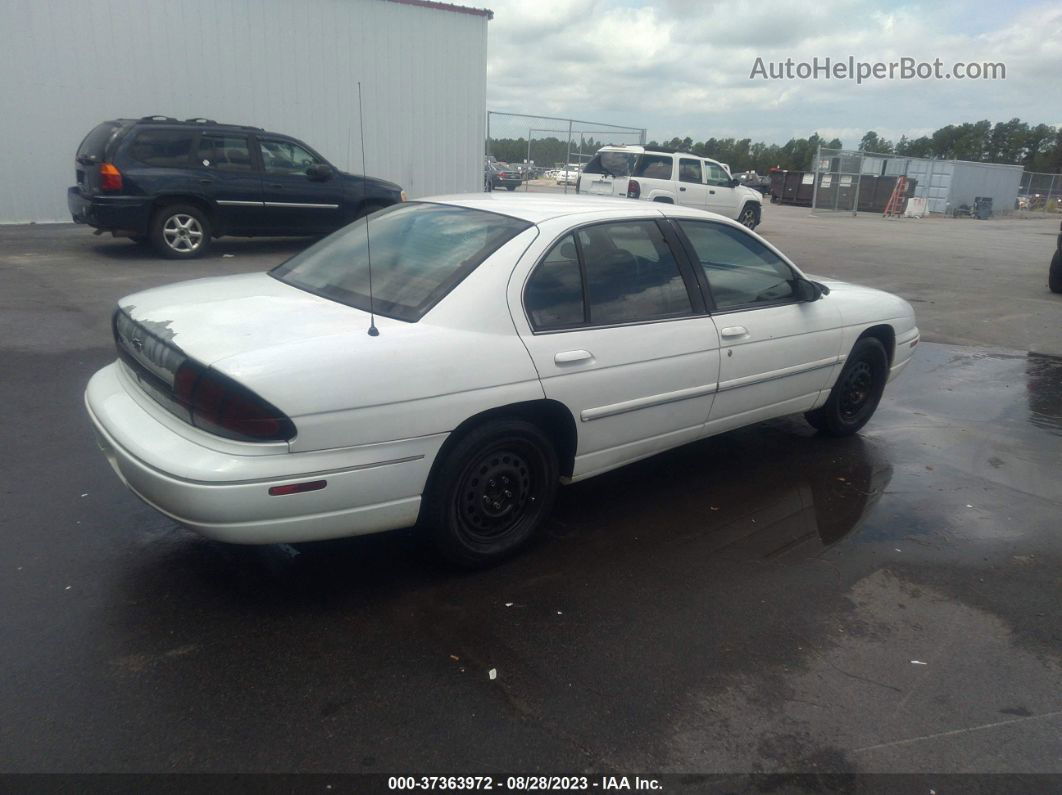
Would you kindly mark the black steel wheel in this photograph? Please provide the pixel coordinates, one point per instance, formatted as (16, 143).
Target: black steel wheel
(855, 397)
(491, 492)
(750, 215)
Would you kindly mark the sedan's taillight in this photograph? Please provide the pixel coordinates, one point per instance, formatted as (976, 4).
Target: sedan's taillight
(110, 177)
(634, 190)
(221, 406)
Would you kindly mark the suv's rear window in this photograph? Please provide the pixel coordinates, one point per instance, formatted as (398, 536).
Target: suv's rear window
(614, 164)
(94, 146)
(163, 147)
(420, 252)
(654, 166)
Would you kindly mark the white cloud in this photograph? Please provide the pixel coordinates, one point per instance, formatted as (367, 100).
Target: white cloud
(681, 67)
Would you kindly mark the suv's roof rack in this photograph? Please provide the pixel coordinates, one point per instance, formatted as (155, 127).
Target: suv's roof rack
(197, 120)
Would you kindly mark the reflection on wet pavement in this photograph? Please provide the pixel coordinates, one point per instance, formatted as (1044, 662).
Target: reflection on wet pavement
(766, 600)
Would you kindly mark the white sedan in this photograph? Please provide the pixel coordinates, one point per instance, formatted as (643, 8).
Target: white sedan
(507, 344)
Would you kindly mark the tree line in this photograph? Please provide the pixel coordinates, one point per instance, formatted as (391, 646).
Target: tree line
(1037, 148)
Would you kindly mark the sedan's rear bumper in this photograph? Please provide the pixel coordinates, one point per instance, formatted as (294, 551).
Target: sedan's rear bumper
(225, 495)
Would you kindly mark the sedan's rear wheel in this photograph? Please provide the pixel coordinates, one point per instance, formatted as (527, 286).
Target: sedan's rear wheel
(180, 231)
(491, 492)
(856, 395)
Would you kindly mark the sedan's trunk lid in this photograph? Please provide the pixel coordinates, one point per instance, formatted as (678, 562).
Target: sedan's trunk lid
(216, 318)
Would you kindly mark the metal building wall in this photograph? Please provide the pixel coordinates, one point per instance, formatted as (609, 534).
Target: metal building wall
(290, 66)
(971, 180)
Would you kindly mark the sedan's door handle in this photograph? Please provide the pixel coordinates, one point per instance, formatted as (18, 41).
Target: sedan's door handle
(567, 357)
(206, 182)
(734, 331)
(274, 185)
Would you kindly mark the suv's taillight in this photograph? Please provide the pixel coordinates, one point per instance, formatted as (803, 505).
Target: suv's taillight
(110, 177)
(223, 407)
(634, 190)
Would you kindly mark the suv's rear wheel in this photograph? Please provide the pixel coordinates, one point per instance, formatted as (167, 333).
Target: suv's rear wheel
(749, 215)
(180, 231)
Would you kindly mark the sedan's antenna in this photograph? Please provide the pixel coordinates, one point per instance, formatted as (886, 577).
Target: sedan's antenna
(373, 331)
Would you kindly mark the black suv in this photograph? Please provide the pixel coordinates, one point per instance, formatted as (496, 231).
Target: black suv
(179, 184)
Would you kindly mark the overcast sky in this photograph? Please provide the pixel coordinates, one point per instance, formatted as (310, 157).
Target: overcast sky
(681, 67)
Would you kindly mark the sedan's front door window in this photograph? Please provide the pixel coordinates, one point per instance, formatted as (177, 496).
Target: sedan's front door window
(741, 271)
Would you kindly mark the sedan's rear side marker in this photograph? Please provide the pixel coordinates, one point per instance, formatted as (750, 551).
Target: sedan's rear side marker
(646, 402)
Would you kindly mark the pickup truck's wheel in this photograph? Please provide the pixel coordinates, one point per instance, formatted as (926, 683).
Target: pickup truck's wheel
(491, 492)
(749, 215)
(180, 231)
(1054, 276)
(856, 395)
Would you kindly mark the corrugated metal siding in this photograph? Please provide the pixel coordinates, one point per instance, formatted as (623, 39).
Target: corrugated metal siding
(1000, 182)
(289, 66)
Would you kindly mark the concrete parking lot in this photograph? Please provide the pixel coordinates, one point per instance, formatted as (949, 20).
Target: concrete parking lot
(763, 601)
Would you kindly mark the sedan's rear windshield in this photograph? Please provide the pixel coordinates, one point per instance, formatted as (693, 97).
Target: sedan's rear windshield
(420, 251)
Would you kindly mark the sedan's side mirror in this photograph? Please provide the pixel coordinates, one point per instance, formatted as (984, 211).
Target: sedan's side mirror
(808, 291)
(319, 172)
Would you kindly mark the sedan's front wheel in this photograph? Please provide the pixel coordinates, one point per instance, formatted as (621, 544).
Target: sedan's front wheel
(855, 396)
(491, 492)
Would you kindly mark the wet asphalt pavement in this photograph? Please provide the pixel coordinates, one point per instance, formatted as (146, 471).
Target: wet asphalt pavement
(767, 600)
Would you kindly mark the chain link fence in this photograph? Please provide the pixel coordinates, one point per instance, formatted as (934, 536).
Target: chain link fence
(549, 150)
(1040, 193)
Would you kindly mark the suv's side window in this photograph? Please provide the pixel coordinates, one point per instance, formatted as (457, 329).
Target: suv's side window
(620, 272)
(741, 271)
(166, 148)
(225, 152)
(654, 167)
(284, 157)
(690, 170)
(717, 176)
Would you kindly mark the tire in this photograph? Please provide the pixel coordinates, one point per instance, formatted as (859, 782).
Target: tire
(1054, 276)
(749, 215)
(491, 492)
(510, 187)
(856, 395)
(166, 231)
